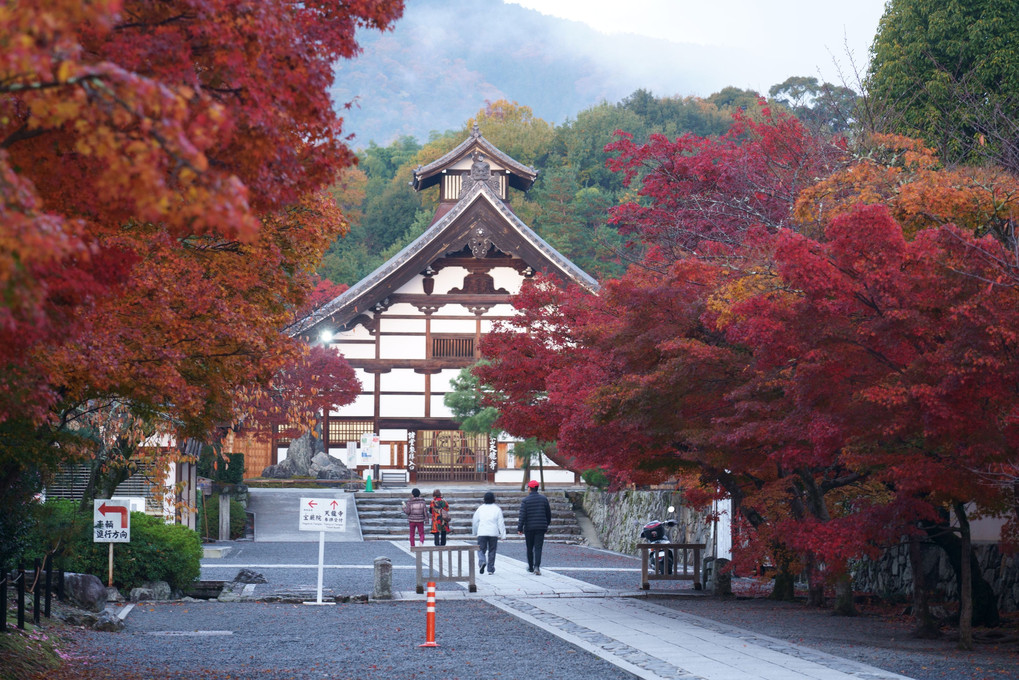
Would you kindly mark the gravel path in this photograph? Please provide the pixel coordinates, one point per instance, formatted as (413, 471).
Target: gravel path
(380, 640)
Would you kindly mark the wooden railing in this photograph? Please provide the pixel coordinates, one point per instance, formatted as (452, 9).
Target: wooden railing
(680, 564)
(449, 563)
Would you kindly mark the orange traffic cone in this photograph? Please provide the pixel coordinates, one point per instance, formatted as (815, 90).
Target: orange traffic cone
(430, 618)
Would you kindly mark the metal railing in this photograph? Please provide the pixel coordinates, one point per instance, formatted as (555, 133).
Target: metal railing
(445, 563)
(675, 565)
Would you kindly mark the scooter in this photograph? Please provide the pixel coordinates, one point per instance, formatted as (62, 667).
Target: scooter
(656, 531)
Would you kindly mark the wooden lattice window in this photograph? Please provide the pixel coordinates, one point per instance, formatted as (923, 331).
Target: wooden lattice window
(341, 432)
(452, 346)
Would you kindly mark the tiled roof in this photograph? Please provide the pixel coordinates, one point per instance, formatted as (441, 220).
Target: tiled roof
(376, 286)
(521, 176)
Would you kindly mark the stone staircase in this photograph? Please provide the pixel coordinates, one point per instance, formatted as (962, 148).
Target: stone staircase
(381, 515)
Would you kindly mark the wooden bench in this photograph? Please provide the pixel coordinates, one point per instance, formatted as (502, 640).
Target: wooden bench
(680, 571)
(445, 563)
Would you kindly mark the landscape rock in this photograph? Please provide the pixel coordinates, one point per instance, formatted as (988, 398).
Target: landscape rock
(113, 595)
(249, 576)
(78, 617)
(306, 457)
(85, 591)
(108, 622)
(160, 588)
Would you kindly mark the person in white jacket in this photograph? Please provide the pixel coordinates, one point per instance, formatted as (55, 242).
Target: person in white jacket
(489, 526)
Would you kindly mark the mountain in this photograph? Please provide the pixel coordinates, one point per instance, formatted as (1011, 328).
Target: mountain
(444, 60)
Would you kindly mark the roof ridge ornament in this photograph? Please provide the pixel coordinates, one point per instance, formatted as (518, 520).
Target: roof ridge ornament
(475, 130)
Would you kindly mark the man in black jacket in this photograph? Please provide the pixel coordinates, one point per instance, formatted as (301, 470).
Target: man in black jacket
(535, 516)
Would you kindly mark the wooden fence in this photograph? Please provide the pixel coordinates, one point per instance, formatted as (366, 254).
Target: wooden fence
(678, 558)
(445, 563)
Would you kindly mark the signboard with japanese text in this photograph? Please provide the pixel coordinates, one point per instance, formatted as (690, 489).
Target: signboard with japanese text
(111, 522)
(323, 514)
(369, 448)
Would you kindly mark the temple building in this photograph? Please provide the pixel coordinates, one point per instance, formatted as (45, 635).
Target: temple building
(410, 326)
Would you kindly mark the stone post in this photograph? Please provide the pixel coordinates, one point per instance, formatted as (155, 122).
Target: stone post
(224, 515)
(383, 579)
(721, 580)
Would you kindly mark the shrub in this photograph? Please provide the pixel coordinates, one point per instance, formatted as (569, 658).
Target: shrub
(229, 468)
(157, 552)
(208, 518)
(595, 477)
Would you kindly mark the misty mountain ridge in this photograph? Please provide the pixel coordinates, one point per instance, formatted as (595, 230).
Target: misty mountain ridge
(444, 60)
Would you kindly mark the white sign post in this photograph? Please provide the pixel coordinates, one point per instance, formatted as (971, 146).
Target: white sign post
(322, 515)
(111, 523)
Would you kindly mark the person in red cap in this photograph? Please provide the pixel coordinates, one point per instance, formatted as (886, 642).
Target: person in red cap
(535, 516)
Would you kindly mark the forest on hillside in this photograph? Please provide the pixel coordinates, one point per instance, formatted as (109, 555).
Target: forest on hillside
(568, 205)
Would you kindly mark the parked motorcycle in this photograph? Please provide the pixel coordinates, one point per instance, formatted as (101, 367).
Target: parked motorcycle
(656, 531)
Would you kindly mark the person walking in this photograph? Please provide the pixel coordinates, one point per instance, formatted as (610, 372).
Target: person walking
(440, 517)
(416, 509)
(489, 525)
(535, 516)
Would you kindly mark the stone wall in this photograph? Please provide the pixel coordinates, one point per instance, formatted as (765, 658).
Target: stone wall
(891, 576)
(619, 516)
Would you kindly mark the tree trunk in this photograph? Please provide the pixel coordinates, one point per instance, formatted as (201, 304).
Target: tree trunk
(965, 583)
(926, 627)
(783, 588)
(815, 584)
(844, 605)
(984, 602)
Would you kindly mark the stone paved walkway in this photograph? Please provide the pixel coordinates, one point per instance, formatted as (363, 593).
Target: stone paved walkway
(645, 639)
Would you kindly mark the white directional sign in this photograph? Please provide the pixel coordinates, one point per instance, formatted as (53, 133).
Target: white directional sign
(111, 522)
(323, 514)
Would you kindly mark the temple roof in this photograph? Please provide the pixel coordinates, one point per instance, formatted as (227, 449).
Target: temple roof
(479, 216)
(520, 176)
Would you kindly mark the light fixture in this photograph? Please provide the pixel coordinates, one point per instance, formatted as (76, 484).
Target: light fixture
(326, 336)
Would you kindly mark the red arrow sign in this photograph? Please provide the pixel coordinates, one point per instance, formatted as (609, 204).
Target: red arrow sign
(120, 509)
(312, 504)
(334, 504)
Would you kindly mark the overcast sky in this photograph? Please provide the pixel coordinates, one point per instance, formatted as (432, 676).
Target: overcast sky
(764, 41)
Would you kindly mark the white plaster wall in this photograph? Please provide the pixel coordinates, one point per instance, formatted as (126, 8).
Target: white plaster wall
(358, 332)
(508, 278)
(448, 277)
(455, 310)
(402, 406)
(367, 380)
(402, 380)
(464, 326)
(557, 476)
(440, 381)
(402, 347)
(488, 325)
(402, 309)
(362, 407)
(388, 325)
(502, 310)
(358, 351)
(393, 435)
(439, 409)
(412, 287)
